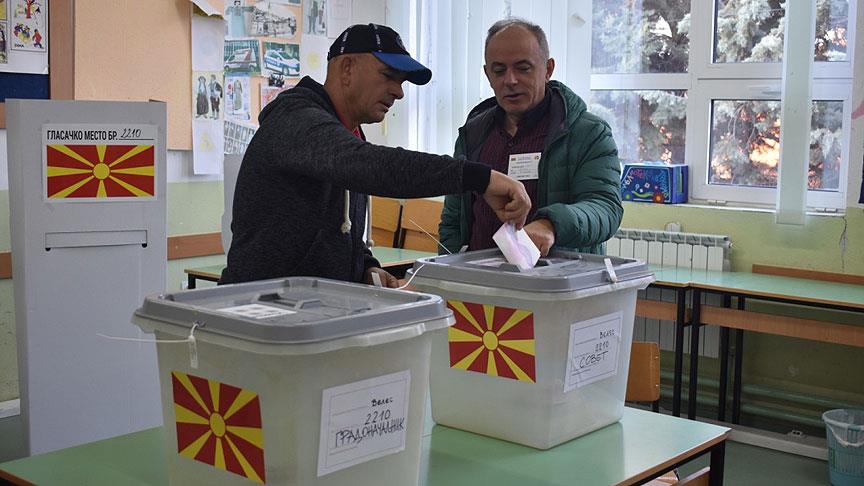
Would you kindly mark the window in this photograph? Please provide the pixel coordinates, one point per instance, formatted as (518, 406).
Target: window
(700, 82)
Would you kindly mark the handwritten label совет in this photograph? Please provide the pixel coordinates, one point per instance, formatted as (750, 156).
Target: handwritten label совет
(593, 351)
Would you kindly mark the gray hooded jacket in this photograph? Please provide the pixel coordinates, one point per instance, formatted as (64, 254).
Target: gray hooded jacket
(289, 201)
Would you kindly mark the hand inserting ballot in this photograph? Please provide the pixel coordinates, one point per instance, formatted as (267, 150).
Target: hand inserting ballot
(507, 197)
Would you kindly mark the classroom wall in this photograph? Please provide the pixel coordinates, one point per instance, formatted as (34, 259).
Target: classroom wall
(194, 205)
(756, 238)
(789, 364)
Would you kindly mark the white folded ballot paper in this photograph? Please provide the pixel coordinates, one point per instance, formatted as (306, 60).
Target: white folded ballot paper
(516, 246)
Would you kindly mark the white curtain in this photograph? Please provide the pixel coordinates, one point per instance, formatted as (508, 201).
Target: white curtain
(448, 36)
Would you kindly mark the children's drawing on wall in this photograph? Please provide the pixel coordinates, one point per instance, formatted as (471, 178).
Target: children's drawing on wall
(4, 49)
(315, 15)
(28, 25)
(237, 98)
(276, 20)
(269, 93)
(281, 58)
(207, 95)
(241, 57)
(338, 16)
(238, 18)
(207, 143)
(313, 56)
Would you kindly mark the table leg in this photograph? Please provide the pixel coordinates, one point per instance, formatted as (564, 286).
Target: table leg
(681, 304)
(718, 459)
(736, 380)
(724, 365)
(724, 373)
(694, 353)
(190, 281)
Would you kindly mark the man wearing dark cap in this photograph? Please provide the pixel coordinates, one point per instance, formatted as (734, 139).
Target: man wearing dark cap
(301, 194)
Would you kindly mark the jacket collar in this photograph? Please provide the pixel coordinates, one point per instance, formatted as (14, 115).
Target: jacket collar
(481, 119)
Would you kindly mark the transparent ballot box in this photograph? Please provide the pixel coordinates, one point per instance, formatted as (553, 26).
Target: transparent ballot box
(298, 381)
(536, 357)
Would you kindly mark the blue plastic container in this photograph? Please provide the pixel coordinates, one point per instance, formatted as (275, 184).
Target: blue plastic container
(845, 433)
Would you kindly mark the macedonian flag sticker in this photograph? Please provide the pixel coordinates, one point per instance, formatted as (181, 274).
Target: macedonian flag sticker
(219, 425)
(494, 340)
(99, 171)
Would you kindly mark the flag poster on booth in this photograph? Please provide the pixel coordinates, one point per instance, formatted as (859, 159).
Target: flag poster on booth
(90, 162)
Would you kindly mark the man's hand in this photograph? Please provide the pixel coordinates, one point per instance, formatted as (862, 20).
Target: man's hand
(507, 197)
(387, 280)
(542, 233)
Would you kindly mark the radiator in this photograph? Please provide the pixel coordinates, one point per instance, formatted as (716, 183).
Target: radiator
(672, 249)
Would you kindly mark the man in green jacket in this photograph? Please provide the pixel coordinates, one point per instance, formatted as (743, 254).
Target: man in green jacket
(540, 132)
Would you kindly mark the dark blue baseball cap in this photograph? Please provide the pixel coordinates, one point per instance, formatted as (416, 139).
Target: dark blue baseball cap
(385, 44)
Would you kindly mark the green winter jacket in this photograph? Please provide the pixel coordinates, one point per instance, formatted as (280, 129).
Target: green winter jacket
(579, 184)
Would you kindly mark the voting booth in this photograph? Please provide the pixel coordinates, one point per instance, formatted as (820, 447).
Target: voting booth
(536, 357)
(294, 381)
(231, 169)
(87, 201)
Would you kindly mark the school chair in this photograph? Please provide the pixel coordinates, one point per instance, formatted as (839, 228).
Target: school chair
(385, 221)
(699, 478)
(643, 379)
(643, 385)
(425, 213)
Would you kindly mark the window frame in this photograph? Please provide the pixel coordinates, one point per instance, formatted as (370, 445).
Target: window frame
(706, 81)
(697, 146)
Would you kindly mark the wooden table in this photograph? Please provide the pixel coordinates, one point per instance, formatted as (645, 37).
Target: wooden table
(754, 286)
(394, 260)
(642, 446)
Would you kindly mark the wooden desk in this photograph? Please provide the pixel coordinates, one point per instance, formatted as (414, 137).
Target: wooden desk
(394, 260)
(771, 288)
(640, 447)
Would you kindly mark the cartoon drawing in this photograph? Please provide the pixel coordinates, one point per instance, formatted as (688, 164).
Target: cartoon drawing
(31, 7)
(237, 18)
(28, 25)
(238, 95)
(4, 57)
(201, 98)
(215, 90)
(316, 20)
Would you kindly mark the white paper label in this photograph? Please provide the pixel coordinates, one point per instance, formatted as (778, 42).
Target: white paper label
(524, 166)
(593, 351)
(257, 311)
(363, 420)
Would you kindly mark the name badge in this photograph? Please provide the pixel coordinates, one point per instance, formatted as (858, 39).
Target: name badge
(524, 166)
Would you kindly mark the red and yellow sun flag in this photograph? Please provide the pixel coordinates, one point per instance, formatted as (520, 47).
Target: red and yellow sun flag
(498, 341)
(100, 171)
(219, 424)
